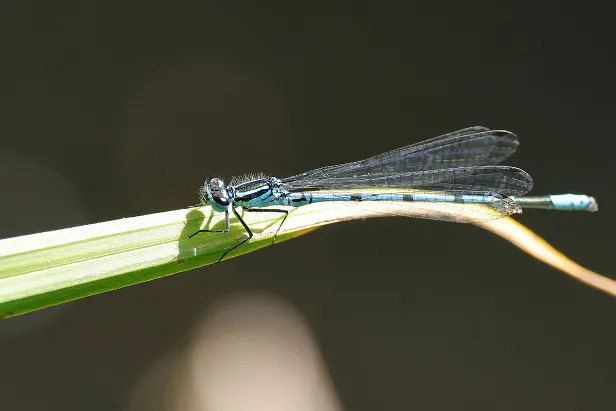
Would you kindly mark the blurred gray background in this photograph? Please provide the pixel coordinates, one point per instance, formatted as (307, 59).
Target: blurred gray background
(110, 109)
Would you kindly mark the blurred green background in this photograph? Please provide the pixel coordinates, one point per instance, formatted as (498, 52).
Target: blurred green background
(110, 109)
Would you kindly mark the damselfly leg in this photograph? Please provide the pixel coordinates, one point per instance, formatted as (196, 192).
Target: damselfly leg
(271, 210)
(226, 230)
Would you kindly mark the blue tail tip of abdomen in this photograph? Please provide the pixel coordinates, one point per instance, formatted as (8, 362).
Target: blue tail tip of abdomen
(574, 202)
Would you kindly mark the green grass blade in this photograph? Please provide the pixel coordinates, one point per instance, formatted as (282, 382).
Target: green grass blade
(50, 268)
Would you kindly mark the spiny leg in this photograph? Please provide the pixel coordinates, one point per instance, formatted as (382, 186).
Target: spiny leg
(269, 210)
(248, 230)
(226, 230)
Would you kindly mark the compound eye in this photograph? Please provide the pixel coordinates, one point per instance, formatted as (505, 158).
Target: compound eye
(223, 201)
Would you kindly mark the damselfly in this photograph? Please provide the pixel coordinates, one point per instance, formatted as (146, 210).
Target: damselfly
(454, 169)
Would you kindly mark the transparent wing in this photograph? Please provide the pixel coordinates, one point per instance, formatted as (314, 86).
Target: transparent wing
(473, 146)
(496, 179)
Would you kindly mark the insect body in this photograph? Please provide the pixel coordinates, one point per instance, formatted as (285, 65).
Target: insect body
(452, 170)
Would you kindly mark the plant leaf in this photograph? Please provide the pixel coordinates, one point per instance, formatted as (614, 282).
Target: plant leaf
(45, 269)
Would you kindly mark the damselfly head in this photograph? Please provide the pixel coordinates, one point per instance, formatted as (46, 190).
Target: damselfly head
(216, 194)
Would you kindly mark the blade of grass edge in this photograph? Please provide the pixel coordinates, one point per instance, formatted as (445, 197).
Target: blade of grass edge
(45, 269)
(522, 237)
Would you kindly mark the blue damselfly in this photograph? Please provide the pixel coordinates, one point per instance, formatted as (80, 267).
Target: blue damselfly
(454, 170)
